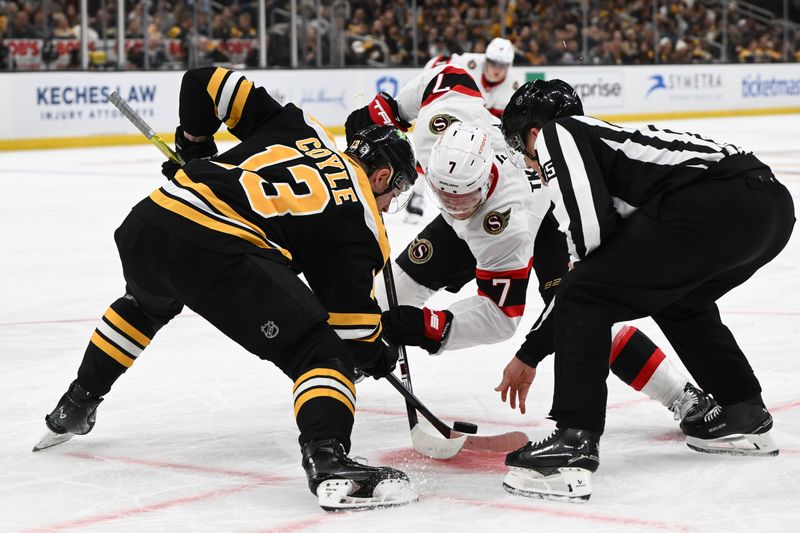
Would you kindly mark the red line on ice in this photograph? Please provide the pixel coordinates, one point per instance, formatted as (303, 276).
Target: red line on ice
(262, 478)
(785, 406)
(608, 519)
(116, 515)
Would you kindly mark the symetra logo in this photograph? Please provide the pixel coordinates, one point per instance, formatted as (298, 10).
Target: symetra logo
(387, 84)
(758, 87)
(658, 83)
(688, 86)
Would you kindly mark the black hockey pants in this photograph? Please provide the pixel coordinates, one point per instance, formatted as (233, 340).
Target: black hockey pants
(670, 260)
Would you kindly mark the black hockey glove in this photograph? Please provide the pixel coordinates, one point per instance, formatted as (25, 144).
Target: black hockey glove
(188, 150)
(382, 110)
(376, 359)
(412, 326)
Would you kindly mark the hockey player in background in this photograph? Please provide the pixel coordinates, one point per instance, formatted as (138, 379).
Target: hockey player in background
(658, 223)
(227, 237)
(493, 75)
(490, 212)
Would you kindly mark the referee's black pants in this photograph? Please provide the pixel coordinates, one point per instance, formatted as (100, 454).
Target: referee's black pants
(670, 260)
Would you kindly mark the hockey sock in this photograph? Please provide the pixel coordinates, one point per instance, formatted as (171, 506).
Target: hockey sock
(637, 361)
(119, 338)
(325, 402)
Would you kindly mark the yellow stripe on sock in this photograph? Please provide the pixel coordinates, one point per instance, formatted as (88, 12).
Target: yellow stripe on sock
(322, 393)
(325, 373)
(111, 350)
(214, 84)
(238, 104)
(126, 327)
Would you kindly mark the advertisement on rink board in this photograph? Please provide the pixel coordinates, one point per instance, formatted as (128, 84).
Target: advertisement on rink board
(61, 104)
(70, 105)
(599, 87)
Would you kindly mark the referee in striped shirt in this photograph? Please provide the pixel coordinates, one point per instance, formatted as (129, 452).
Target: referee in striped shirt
(658, 223)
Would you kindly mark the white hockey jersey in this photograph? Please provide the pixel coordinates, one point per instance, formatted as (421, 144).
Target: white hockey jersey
(500, 234)
(496, 95)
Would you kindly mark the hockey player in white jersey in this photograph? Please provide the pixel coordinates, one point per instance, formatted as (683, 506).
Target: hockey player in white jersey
(493, 75)
(492, 70)
(490, 212)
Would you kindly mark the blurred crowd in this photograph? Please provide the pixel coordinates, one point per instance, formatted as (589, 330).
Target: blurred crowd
(181, 33)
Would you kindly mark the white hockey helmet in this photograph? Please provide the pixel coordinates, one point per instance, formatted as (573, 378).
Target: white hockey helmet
(500, 51)
(459, 169)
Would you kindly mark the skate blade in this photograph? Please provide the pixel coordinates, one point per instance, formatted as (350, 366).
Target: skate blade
(51, 439)
(335, 495)
(736, 444)
(572, 485)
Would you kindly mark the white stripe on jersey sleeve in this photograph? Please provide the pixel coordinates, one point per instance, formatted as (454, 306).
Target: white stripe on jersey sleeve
(660, 156)
(226, 93)
(581, 188)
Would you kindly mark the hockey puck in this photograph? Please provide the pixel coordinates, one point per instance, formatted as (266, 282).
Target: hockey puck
(465, 427)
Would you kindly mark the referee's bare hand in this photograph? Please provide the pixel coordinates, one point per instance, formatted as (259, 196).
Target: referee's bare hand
(517, 378)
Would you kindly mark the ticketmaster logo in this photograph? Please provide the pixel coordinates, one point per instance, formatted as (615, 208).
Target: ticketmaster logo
(757, 87)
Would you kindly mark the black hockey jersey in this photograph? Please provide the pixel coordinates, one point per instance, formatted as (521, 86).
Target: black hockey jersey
(284, 191)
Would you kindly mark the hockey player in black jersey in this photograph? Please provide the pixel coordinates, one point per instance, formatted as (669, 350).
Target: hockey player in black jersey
(658, 223)
(227, 236)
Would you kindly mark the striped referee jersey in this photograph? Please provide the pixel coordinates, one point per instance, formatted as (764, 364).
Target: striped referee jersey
(599, 172)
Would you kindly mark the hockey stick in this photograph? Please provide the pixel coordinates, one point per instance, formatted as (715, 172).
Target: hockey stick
(445, 448)
(144, 127)
(453, 442)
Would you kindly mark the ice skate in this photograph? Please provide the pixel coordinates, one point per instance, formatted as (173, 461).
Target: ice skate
(737, 429)
(342, 484)
(692, 405)
(75, 414)
(557, 468)
(415, 208)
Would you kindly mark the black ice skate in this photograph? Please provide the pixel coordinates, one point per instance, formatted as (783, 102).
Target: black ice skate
(692, 405)
(75, 414)
(342, 484)
(557, 468)
(737, 429)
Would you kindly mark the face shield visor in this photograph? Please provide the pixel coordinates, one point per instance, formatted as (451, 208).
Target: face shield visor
(399, 188)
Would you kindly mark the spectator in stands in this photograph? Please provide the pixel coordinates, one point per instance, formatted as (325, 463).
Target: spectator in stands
(219, 28)
(21, 27)
(358, 23)
(244, 28)
(533, 56)
(61, 28)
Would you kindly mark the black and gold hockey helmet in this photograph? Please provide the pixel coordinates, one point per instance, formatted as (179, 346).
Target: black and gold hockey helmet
(535, 104)
(376, 146)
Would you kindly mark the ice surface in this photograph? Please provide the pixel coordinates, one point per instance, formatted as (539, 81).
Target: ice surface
(199, 434)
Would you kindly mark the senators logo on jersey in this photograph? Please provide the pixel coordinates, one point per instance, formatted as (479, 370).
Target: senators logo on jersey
(495, 222)
(420, 251)
(441, 122)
